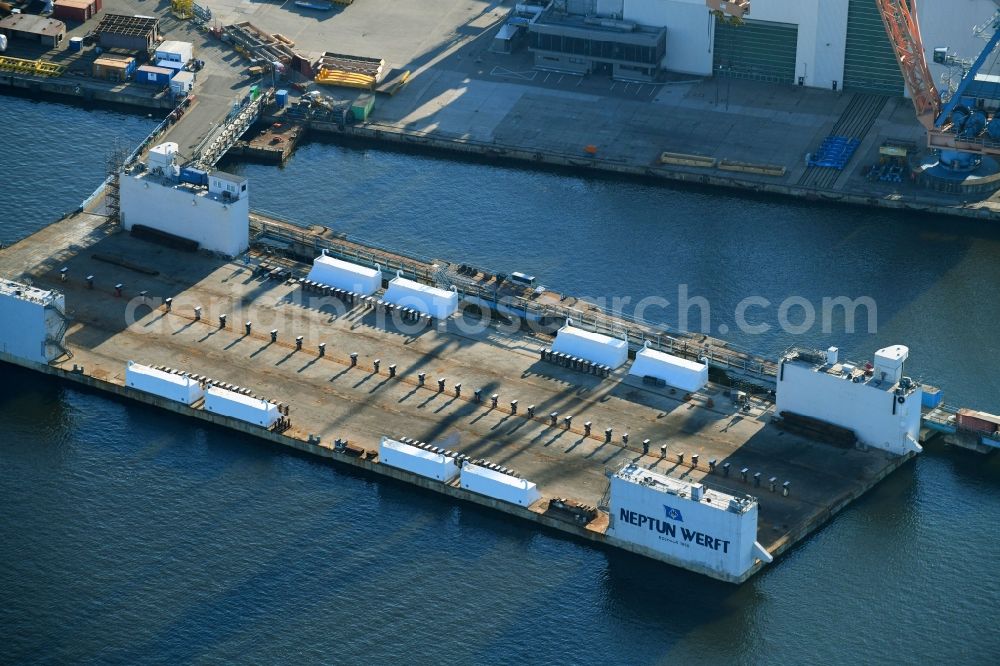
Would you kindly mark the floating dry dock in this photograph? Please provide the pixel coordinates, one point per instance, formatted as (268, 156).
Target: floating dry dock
(469, 400)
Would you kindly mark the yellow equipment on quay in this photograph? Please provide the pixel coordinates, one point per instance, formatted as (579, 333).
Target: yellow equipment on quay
(31, 67)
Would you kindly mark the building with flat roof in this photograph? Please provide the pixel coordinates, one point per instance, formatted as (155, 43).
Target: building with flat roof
(133, 33)
(49, 32)
(75, 10)
(580, 44)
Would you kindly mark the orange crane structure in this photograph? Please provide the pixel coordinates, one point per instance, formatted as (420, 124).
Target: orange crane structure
(958, 147)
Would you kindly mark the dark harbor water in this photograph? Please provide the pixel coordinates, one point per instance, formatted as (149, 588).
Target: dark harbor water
(133, 536)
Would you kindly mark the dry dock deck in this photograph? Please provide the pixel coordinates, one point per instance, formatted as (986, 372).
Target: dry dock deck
(330, 399)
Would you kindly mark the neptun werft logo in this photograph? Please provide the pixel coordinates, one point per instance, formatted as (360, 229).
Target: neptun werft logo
(673, 514)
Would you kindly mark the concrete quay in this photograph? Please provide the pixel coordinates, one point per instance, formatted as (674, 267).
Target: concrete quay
(462, 98)
(330, 399)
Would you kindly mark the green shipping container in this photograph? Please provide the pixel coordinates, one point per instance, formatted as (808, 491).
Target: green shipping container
(362, 107)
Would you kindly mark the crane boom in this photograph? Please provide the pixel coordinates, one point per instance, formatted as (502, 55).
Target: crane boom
(900, 19)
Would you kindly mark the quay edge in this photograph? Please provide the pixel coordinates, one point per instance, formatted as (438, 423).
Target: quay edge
(297, 441)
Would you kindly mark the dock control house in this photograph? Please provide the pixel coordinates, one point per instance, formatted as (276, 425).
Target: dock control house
(132, 33)
(158, 202)
(49, 32)
(582, 44)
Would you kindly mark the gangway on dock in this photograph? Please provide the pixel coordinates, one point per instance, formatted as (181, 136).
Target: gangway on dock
(219, 141)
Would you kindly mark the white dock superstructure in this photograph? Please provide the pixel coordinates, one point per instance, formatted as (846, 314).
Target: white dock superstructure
(875, 401)
(698, 527)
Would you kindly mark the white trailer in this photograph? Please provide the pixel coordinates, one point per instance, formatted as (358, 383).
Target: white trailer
(164, 384)
(499, 486)
(345, 275)
(438, 303)
(413, 459)
(242, 407)
(678, 372)
(590, 346)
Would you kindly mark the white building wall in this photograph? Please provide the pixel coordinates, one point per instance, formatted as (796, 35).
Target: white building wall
(866, 410)
(25, 322)
(690, 29)
(218, 226)
(691, 33)
(697, 533)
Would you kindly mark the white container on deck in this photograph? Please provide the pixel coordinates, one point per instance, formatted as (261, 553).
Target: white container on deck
(412, 459)
(241, 407)
(499, 486)
(590, 346)
(678, 372)
(438, 303)
(164, 384)
(345, 275)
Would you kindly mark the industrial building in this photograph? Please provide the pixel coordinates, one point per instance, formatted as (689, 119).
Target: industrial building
(832, 44)
(75, 10)
(49, 32)
(584, 44)
(133, 33)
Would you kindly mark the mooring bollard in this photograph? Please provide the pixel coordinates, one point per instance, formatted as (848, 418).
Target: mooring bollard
(298, 342)
(222, 321)
(513, 406)
(645, 446)
(274, 335)
(607, 435)
(553, 416)
(531, 411)
(322, 349)
(90, 282)
(441, 385)
(420, 378)
(586, 428)
(118, 289)
(392, 370)
(63, 273)
(247, 327)
(625, 439)
(354, 359)
(478, 393)
(494, 399)
(375, 365)
(458, 390)
(169, 303)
